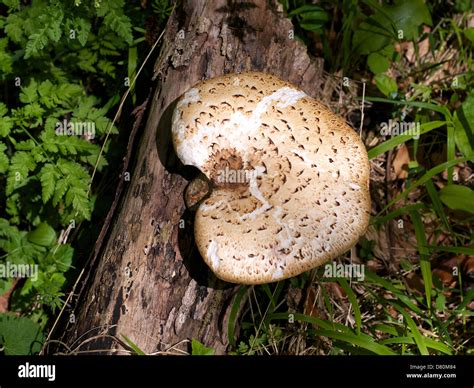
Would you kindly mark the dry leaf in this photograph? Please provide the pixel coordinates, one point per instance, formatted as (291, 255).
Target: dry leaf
(400, 162)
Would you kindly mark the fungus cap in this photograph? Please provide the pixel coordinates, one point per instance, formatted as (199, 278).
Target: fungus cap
(290, 179)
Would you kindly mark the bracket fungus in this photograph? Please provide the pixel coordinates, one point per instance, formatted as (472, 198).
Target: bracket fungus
(289, 179)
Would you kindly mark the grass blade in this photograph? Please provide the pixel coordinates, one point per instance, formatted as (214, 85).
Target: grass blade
(133, 346)
(416, 104)
(233, 314)
(424, 256)
(427, 176)
(355, 340)
(438, 206)
(451, 146)
(430, 343)
(353, 299)
(462, 250)
(390, 287)
(402, 138)
(339, 332)
(377, 220)
(419, 340)
(386, 329)
(313, 320)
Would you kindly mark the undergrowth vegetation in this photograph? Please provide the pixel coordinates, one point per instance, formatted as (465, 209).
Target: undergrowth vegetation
(64, 66)
(410, 68)
(404, 70)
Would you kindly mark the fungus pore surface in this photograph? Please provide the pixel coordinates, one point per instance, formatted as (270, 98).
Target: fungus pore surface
(289, 178)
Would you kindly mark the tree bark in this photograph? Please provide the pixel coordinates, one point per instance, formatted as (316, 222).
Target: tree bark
(148, 282)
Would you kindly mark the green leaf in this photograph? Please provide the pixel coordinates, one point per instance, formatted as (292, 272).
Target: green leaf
(399, 139)
(21, 163)
(463, 250)
(353, 299)
(48, 177)
(198, 349)
(425, 263)
(36, 42)
(313, 20)
(11, 3)
(419, 339)
(430, 343)
(77, 197)
(13, 27)
(458, 197)
(118, 22)
(441, 302)
(377, 63)
(460, 138)
(43, 235)
(4, 161)
(358, 341)
(408, 16)
(83, 29)
(6, 123)
(62, 256)
(375, 32)
(5, 285)
(464, 126)
(233, 314)
(19, 335)
(469, 34)
(133, 346)
(417, 104)
(306, 8)
(426, 176)
(391, 287)
(29, 94)
(6, 60)
(387, 85)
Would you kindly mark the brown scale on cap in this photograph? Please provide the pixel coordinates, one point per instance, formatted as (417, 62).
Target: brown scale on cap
(295, 191)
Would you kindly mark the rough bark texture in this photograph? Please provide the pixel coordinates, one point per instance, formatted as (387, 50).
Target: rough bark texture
(149, 283)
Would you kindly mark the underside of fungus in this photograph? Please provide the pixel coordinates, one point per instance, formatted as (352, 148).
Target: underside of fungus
(289, 178)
